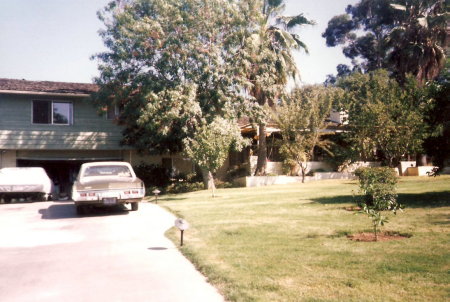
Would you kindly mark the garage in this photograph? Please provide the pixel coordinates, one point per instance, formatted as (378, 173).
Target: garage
(62, 167)
(62, 173)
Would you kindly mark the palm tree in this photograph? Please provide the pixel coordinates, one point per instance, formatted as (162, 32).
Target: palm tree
(273, 62)
(418, 40)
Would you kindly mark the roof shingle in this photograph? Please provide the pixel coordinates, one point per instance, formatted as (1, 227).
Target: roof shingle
(47, 86)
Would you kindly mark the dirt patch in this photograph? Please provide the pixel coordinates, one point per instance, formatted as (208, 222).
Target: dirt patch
(353, 208)
(384, 236)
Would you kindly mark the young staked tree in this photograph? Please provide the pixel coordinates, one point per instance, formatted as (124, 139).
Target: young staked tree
(210, 146)
(169, 66)
(302, 121)
(382, 115)
(270, 63)
(378, 190)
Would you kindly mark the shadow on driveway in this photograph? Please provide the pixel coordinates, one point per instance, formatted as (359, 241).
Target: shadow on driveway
(67, 210)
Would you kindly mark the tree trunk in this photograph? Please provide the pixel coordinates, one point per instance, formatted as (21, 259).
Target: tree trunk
(421, 160)
(262, 152)
(208, 181)
(303, 169)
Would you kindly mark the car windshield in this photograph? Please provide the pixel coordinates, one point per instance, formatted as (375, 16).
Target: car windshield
(121, 171)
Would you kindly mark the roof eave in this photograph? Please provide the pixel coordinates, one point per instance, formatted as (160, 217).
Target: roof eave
(44, 93)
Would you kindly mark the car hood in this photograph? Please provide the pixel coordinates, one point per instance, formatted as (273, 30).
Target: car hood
(15, 179)
(25, 181)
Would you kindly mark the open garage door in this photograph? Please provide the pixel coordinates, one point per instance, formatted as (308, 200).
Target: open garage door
(62, 167)
(62, 173)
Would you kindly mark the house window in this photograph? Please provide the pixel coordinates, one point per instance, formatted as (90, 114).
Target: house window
(52, 112)
(112, 112)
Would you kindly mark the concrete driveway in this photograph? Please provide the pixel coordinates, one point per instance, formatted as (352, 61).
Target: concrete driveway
(47, 253)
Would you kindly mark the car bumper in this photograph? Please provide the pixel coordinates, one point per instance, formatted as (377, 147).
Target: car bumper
(107, 201)
(25, 188)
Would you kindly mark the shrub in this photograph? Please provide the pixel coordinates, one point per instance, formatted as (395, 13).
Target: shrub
(290, 167)
(184, 187)
(310, 173)
(222, 184)
(378, 189)
(342, 152)
(236, 172)
(194, 177)
(152, 175)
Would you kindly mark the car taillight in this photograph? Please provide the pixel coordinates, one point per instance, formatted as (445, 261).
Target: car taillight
(126, 192)
(83, 194)
(91, 194)
(135, 192)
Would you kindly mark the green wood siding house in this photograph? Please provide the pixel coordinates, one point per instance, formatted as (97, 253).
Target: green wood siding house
(54, 125)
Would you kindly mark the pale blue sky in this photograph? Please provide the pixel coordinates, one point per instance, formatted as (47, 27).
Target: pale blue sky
(53, 40)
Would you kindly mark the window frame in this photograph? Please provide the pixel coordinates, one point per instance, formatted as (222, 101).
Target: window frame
(116, 113)
(52, 102)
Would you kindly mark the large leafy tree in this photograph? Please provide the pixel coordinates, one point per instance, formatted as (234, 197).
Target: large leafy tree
(362, 31)
(301, 118)
(383, 116)
(210, 145)
(417, 41)
(403, 36)
(438, 119)
(271, 62)
(168, 66)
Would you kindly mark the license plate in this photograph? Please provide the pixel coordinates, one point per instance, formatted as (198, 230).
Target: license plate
(111, 200)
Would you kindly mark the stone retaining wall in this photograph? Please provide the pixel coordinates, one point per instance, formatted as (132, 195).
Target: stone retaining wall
(258, 181)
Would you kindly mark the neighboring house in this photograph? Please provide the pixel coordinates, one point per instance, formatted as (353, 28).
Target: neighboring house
(335, 124)
(54, 125)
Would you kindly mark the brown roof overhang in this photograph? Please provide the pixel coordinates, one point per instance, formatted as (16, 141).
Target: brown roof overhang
(12, 86)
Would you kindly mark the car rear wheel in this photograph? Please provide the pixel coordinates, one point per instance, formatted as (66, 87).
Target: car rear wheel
(81, 210)
(134, 206)
(41, 197)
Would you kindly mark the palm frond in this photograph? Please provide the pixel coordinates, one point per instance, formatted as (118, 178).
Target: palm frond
(279, 39)
(273, 11)
(398, 7)
(275, 3)
(395, 35)
(300, 43)
(290, 22)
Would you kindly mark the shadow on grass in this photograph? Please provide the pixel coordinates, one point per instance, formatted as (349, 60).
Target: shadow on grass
(171, 199)
(419, 200)
(425, 200)
(335, 199)
(440, 219)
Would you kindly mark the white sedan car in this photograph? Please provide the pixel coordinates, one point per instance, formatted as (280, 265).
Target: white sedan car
(24, 182)
(106, 184)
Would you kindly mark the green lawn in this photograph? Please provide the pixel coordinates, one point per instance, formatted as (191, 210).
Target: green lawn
(288, 243)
